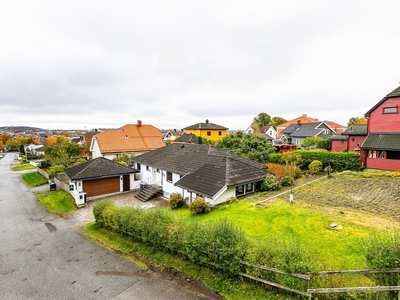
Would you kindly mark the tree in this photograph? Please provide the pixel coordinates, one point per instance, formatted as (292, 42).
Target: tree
(262, 119)
(5, 137)
(357, 120)
(276, 121)
(62, 154)
(124, 159)
(205, 141)
(311, 141)
(1, 146)
(324, 144)
(248, 145)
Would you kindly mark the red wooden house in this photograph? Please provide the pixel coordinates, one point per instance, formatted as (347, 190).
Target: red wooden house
(338, 142)
(381, 148)
(356, 135)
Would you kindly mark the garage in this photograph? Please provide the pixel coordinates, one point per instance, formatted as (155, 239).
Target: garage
(101, 186)
(98, 177)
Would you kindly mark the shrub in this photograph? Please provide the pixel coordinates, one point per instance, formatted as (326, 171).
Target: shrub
(199, 205)
(176, 200)
(285, 181)
(271, 183)
(324, 144)
(382, 251)
(339, 160)
(277, 169)
(231, 200)
(315, 166)
(54, 170)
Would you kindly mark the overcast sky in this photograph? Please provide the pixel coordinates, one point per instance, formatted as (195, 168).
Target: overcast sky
(87, 64)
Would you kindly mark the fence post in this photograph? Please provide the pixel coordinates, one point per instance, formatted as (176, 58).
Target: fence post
(398, 281)
(308, 284)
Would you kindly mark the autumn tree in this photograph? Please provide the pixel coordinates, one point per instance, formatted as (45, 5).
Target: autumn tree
(276, 121)
(262, 119)
(357, 120)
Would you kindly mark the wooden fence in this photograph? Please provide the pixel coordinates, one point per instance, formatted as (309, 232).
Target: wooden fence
(310, 292)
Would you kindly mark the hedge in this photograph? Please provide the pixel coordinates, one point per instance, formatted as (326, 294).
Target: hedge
(339, 161)
(221, 243)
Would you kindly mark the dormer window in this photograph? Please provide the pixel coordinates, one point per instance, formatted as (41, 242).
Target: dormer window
(390, 110)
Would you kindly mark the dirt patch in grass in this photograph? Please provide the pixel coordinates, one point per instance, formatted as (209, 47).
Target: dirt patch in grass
(377, 195)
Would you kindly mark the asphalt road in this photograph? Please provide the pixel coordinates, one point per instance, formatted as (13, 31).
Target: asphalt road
(44, 256)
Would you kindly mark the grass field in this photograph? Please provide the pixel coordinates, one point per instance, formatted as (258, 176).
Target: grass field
(23, 167)
(59, 202)
(34, 179)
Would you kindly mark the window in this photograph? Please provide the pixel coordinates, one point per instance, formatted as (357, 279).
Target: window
(378, 154)
(158, 170)
(169, 176)
(393, 154)
(220, 133)
(147, 168)
(390, 110)
(71, 187)
(298, 142)
(239, 190)
(249, 188)
(208, 133)
(138, 166)
(257, 186)
(383, 154)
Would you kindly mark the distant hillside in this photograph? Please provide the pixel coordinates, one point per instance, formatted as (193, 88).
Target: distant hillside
(21, 128)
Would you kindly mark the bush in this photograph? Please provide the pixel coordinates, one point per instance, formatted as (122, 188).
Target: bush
(176, 200)
(285, 181)
(199, 205)
(324, 144)
(231, 200)
(315, 166)
(277, 169)
(339, 160)
(54, 170)
(382, 251)
(271, 183)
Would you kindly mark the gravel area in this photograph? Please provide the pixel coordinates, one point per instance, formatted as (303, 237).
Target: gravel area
(85, 214)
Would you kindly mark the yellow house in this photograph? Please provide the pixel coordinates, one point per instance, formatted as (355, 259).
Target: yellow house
(207, 130)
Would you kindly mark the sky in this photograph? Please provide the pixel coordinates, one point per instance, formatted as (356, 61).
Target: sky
(82, 64)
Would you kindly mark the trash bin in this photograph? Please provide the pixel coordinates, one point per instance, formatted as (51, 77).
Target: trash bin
(52, 186)
(84, 197)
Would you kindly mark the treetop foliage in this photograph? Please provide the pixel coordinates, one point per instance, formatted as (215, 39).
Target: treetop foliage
(248, 145)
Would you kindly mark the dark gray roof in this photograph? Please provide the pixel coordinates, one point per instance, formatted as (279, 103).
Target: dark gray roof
(356, 129)
(394, 93)
(98, 168)
(224, 171)
(385, 141)
(186, 138)
(207, 168)
(305, 129)
(338, 137)
(206, 126)
(325, 135)
(268, 137)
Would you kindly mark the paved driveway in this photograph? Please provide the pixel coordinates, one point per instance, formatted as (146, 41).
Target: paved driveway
(43, 256)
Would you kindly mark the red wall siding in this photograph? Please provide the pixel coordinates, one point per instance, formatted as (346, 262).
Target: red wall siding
(358, 140)
(380, 122)
(337, 146)
(383, 164)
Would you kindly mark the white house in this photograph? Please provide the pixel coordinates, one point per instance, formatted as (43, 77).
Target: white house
(200, 170)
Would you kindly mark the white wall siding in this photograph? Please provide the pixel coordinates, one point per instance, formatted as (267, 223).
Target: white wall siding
(224, 196)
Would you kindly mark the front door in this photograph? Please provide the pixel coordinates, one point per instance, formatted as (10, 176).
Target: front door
(127, 184)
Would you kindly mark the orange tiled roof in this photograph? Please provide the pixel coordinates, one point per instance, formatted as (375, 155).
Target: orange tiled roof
(302, 119)
(335, 125)
(130, 138)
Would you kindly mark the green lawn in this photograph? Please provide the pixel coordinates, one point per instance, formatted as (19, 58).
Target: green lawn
(308, 220)
(23, 167)
(59, 202)
(34, 179)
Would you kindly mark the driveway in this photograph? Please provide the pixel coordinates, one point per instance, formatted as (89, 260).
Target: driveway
(85, 214)
(44, 256)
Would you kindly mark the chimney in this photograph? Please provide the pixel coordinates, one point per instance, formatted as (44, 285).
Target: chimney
(139, 123)
(206, 121)
(299, 122)
(305, 115)
(175, 130)
(199, 140)
(316, 119)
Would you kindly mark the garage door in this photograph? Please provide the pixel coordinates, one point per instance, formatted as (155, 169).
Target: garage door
(101, 186)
